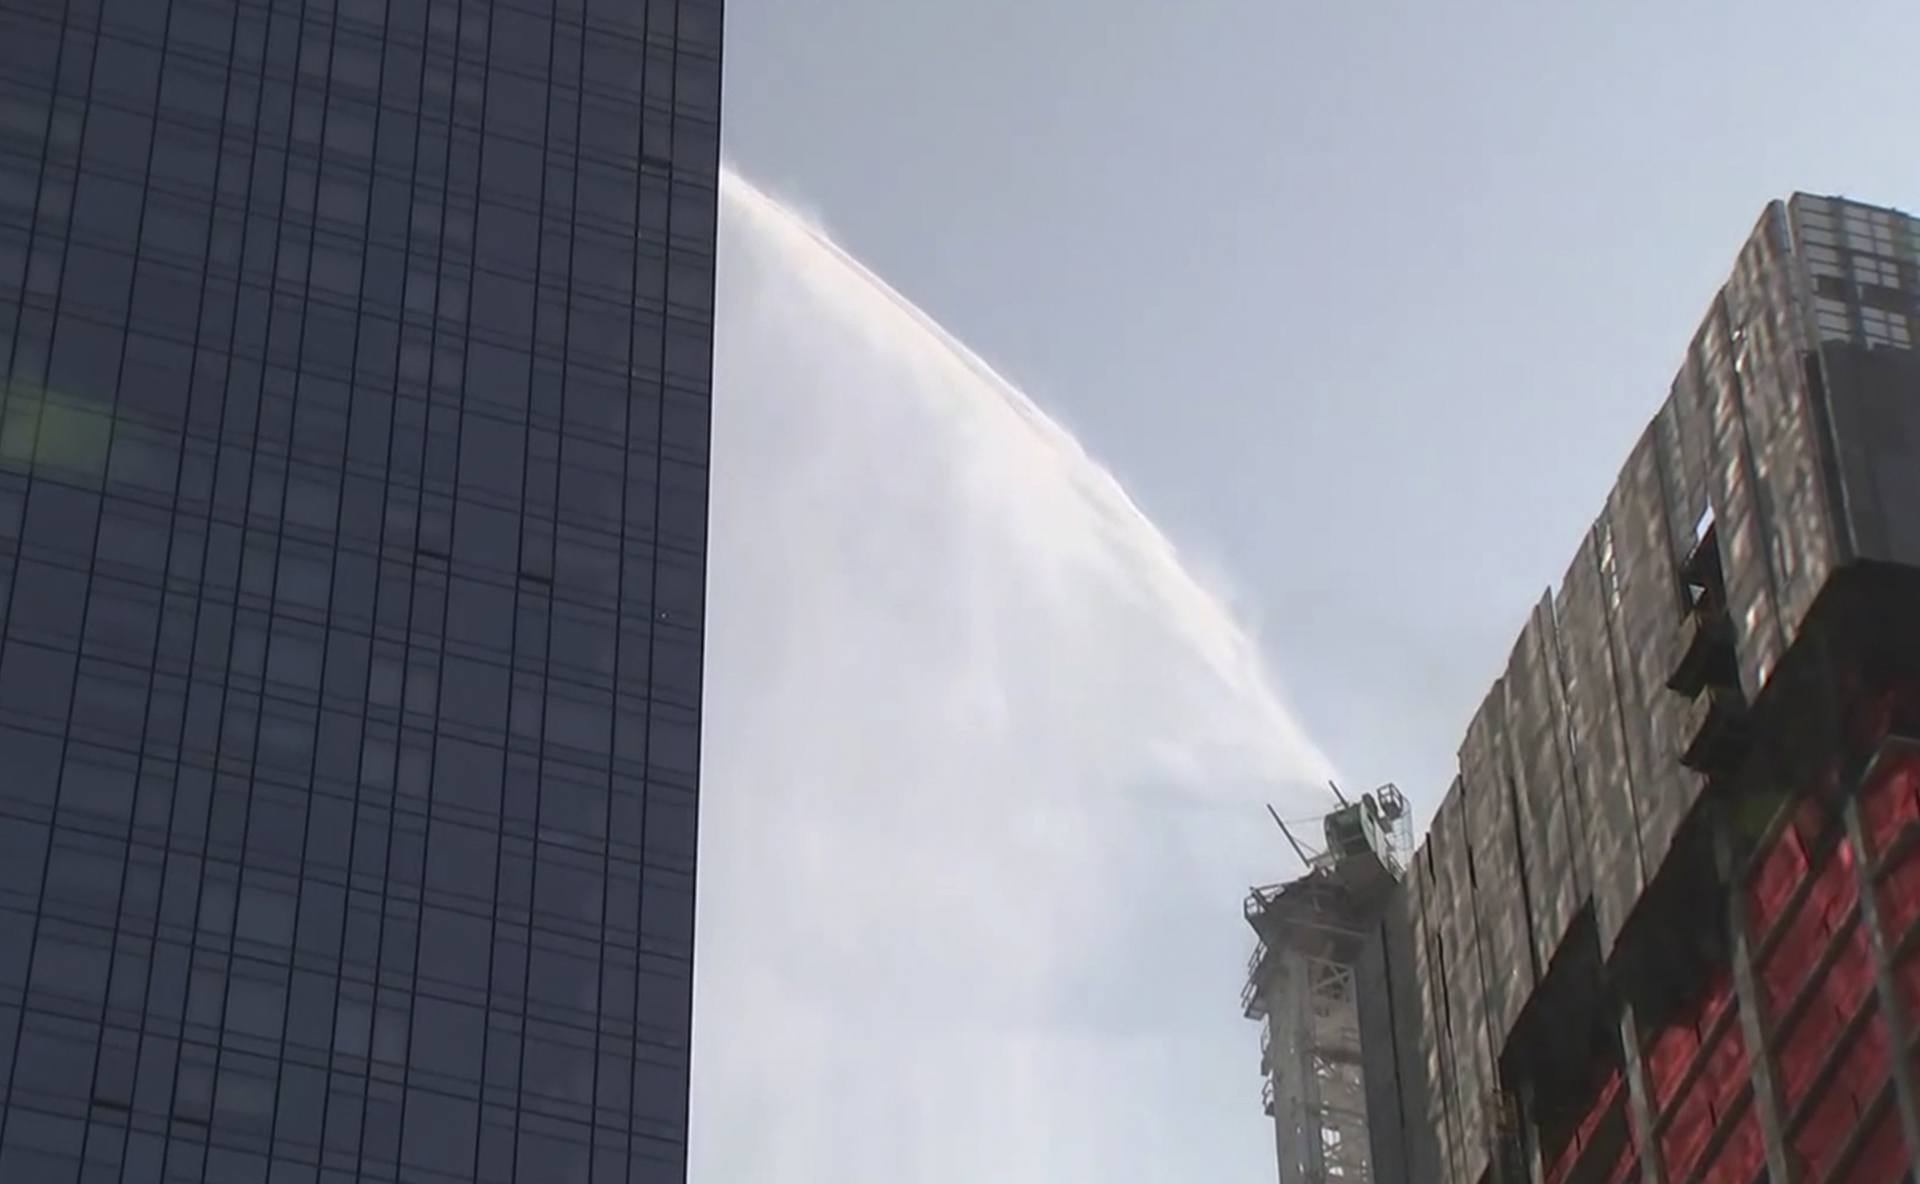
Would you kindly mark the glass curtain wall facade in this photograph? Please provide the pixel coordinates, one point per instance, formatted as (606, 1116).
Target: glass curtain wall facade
(352, 525)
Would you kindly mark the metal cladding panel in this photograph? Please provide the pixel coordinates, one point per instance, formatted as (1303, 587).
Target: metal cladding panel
(1684, 447)
(1873, 402)
(1420, 1111)
(1436, 1059)
(1740, 500)
(1574, 809)
(1501, 888)
(1649, 634)
(1601, 780)
(1473, 1077)
(1379, 1042)
(1737, 518)
(1536, 742)
(1768, 320)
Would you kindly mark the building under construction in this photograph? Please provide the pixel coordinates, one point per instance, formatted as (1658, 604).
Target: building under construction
(1301, 982)
(1665, 925)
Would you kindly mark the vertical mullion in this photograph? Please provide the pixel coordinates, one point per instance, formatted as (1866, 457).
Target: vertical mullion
(1639, 1101)
(152, 672)
(632, 1038)
(1755, 1028)
(260, 134)
(171, 845)
(428, 806)
(6, 611)
(379, 564)
(546, 642)
(273, 614)
(1899, 1023)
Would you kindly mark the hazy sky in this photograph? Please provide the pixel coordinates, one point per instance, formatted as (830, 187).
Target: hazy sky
(1363, 302)
(981, 757)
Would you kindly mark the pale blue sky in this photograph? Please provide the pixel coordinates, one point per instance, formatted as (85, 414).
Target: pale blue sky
(1365, 301)
(1365, 304)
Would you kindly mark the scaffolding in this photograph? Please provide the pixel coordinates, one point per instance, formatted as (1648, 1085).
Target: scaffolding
(1301, 985)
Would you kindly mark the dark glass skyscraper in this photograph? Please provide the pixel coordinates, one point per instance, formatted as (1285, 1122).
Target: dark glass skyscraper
(352, 526)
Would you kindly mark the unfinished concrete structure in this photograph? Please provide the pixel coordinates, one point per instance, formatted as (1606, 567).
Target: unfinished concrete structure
(1663, 925)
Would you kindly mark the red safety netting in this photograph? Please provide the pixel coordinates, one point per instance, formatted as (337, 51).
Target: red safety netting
(1687, 1132)
(1899, 895)
(1627, 1171)
(1830, 896)
(1890, 799)
(1807, 1044)
(1820, 1139)
(1725, 1073)
(1667, 1058)
(1603, 1101)
(1847, 1094)
(1865, 1066)
(1739, 1158)
(1777, 871)
(1883, 1154)
(1850, 980)
(1847, 983)
(1834, 886)
(1906, 979)
(1673, 1047)
(1715, 1094)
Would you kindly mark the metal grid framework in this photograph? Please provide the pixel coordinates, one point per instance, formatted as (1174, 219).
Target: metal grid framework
(1315, 1090)
(1860, 261)
(1303, 983)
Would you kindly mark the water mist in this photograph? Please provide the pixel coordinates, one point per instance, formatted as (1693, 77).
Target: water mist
(983, 771)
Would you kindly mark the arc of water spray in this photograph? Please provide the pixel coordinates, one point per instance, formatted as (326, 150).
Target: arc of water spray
(981, 770)
(1194, 609)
